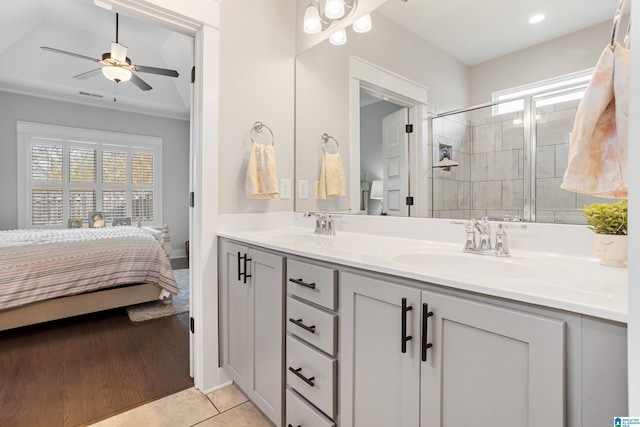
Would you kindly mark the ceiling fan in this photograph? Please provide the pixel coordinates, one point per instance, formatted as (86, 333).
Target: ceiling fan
(117, 66)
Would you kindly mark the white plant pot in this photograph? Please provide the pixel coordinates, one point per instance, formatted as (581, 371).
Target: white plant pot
(611, 249)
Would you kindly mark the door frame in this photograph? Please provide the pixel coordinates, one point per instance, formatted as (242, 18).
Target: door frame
(401, 91)
(199, 19)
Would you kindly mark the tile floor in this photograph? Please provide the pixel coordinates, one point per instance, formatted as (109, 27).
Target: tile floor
(226, 407)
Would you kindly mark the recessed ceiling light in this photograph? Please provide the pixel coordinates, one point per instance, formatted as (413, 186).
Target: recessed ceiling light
(536, 18)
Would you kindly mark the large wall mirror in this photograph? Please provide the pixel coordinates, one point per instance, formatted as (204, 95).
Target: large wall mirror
(425, 63)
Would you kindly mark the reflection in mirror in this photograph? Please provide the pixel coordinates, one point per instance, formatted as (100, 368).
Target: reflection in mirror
(328, 87)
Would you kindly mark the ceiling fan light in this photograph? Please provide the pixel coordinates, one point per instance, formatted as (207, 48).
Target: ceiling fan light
(117, 74)
(334, 9)
(312, 24)
(362, 24)
(338, 38)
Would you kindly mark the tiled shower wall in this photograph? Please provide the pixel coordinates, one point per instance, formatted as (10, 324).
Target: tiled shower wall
(489, 180)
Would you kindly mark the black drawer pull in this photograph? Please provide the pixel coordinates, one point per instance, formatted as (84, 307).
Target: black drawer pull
(302, 377)
(239, 269)
(298, 322)
(301, 283)
(425, 318)
(289, 425)
(405, 338)
(246, 260)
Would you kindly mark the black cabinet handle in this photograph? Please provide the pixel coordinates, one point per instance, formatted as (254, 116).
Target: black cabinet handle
(405, 338)
(239, 270)
(299, 323)
(302, 377)
(246, 260)
(425, 319)
(289, 425)
(301, 283)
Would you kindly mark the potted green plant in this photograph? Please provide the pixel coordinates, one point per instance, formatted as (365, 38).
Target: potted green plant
(609, 222)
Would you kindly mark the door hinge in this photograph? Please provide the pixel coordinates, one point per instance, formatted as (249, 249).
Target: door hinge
(408, 128)
(409, 201)
(192, 199)
(193, 74)
(192, 325)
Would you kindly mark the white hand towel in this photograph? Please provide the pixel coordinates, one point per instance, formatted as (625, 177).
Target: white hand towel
(331, 177)
(598, 150)
(262, 178)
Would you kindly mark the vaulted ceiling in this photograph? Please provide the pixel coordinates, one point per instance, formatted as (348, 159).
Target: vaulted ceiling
(80, 27)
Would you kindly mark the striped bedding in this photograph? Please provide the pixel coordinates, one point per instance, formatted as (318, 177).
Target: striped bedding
(37, 265)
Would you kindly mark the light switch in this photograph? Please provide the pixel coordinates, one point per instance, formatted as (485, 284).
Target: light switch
(303, 189)
(285, 188)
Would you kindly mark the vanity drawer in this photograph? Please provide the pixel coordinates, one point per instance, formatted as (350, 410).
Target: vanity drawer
(320, 372)
(313, 325)
(312, 283)
(300, 413)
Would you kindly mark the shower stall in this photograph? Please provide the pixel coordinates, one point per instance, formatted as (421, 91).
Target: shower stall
(511, 158)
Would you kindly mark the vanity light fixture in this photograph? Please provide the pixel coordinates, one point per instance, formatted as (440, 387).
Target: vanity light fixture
(535, 19)
(338, 38)
(362, 24)
(317, 18)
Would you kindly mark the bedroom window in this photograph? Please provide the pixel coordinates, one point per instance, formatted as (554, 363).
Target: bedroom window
(69, 173)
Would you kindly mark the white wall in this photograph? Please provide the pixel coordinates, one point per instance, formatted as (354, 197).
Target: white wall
(574, 52)
(175, 151)
(257, 45)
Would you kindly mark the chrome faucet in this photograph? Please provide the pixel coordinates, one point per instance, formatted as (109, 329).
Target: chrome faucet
(324, 222)
(482, 229)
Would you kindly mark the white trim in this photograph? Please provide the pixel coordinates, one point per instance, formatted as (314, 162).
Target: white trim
(201, 19)
(79, 137)
(404, 91)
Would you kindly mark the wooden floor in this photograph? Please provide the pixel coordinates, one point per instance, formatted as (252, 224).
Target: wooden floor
(76, 371)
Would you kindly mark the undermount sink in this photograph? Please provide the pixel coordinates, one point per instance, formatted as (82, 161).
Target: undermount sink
(290, 236)
(466, 264)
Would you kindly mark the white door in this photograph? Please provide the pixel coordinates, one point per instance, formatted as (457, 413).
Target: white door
(395, 146)
(380, 367)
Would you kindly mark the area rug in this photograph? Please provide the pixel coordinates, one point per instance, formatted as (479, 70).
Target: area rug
(156, 309)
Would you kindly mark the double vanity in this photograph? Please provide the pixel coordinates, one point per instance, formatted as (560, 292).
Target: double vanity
(367, 329)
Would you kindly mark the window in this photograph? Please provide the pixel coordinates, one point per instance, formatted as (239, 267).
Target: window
(565, 88)
(68, 172)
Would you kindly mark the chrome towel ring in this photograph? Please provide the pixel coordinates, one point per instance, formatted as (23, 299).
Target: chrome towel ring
(258, 127)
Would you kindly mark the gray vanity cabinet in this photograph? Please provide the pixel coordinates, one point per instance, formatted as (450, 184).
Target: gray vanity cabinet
(412, 357)
(490, 366)
(251, 323)
(380, 371)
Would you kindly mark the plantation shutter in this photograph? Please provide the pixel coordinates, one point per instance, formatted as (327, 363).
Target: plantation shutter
(142, 179)
(47, 184)
(82, 180)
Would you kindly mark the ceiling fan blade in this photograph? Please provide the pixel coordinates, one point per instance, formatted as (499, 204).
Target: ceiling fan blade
(154, 70)
(139, 82)
(64, 52)
(88, 74)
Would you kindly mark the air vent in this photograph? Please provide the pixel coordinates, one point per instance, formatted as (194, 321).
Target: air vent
(94, 95)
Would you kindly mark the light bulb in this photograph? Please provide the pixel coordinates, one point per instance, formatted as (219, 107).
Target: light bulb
(334, 9)
(362, 24)
(312, 23)
(338, 38)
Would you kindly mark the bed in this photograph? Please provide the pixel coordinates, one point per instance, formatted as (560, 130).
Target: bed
(56, 273)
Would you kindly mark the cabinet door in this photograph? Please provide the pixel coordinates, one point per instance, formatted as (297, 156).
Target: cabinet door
(491, 366)
(379, 384)
(236, 305)
(268, 284)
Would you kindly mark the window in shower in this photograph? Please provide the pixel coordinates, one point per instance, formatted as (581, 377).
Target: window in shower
(557, 90)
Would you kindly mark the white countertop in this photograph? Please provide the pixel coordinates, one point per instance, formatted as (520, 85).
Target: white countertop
(572, 283)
